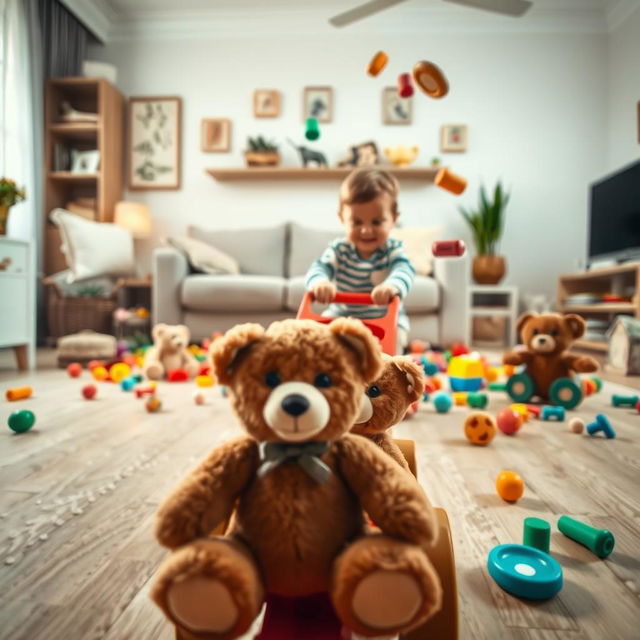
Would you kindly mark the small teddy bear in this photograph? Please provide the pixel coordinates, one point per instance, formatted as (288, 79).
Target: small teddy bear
(547, 337)
(386, 401)
(169, 352)
(298, 485)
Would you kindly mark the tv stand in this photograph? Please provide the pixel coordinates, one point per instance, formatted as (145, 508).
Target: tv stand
(615, 279)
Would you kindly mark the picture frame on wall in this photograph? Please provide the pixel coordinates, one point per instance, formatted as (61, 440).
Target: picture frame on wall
(215, 135)
(154, 141)
(453, 138)
(317, 102)
(396, 110)
(266, 103)
(85, 161)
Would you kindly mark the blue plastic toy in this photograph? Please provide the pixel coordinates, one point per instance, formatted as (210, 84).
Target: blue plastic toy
(601, 424)
(128, 383)
(442, 402)
(524, 571)
(430, 368)
(548, 412)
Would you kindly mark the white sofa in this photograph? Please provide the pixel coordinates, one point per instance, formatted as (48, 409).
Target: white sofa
(273, 262)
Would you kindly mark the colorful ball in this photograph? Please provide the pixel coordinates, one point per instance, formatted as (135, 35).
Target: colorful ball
(576, 425)
(491, 374)
(442, 402)
(510, 486)
(128, 383)
(480, 428)
(199, 397)
(119, 371)
(509, 421)
(95, 363)
(74, 369)
(153, 404)
(418, 346)
(21, 421)
(459, 349)
(89, 391)
(100, 373)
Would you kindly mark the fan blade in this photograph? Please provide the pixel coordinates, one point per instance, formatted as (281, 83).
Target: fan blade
(362, 11)
(513, 8)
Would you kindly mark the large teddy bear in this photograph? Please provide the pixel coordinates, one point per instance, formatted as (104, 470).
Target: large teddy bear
(298, 485)
(546, 338)
(386, 401)
(169, 352)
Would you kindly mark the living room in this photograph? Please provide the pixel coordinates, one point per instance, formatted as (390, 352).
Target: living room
(188, 230)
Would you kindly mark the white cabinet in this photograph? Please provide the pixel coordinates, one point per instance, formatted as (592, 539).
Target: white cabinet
(17, 300)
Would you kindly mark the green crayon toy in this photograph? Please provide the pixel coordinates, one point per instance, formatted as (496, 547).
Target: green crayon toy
(599, 541)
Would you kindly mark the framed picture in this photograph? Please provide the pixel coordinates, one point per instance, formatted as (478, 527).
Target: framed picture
(216, 135)
(395, 110)
(317, 102)
(453, 137)
(154, 143)
(266, 103)
(85, 161)
(361, 155)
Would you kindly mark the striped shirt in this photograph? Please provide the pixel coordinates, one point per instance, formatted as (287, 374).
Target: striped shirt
(341, 264)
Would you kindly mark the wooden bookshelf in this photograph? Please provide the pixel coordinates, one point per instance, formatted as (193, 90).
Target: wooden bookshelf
(426, 174)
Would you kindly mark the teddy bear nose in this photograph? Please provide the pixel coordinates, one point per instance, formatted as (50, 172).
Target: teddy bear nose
(542, 340)
(295, 404)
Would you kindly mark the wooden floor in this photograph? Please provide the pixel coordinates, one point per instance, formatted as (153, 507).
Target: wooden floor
(79, 491)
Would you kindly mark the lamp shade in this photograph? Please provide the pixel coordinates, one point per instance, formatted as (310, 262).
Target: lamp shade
(134, 216)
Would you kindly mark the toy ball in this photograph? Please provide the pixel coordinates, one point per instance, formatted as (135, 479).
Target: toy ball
(89, 391)
(153, 404)
(442, 402)
(436, 382)
(95, 363)
(177, 375)
(576, 425)
(74, 369)
(509, 421)
(510, 486)
(100, 373)
(21, 421)
(130, 359)
(480, 428)
(491, 374)
(430, 368)
(119, 371)
(204, 381)
(417, 346)
(128, 383)
(199, 397)
(459, 349)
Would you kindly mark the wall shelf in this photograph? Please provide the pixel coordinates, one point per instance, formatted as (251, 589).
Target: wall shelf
(426, 174)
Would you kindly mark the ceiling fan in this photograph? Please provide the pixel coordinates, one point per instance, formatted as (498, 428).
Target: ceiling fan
(513, 8)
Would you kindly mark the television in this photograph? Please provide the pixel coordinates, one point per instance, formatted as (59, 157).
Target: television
(614, 225)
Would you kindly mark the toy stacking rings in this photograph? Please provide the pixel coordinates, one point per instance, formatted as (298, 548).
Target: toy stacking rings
(430, 79)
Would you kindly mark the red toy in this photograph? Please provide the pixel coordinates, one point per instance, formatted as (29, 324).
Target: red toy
(459, 349)
(509, 421)
(177, 375)
(89, 391)
(74, 369)
(95, 363)
(448, 248)
(149, 390)
(405, 88)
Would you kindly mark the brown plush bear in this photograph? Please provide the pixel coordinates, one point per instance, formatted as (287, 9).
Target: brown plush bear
(547, 337)
(299, 484)
(386, 401)
(169, 352)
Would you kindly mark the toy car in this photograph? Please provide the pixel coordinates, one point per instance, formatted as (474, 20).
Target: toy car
(564, 392)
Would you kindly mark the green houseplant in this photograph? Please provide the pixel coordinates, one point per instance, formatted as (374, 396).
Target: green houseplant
(261, 153)
(487, 223)
(9, 195)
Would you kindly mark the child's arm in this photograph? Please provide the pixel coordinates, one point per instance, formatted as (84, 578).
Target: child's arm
(400, 278)
(320, 275)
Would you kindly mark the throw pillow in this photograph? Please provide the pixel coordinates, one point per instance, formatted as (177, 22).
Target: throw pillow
(92, 248)
(417, 245)
(204, 257)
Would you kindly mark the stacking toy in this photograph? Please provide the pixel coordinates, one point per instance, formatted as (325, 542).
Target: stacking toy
(447, 248)
(378, 63)
(599, 541)
(18, 393)
(21, 421)
(618, 400)
(449, 181)
(442, 402)
(537, 534)
(477, 400)
(598, 384)
(549, 412)
(430, 79)
(405, 88)
(312, 131)
(510, 486)
(601, 424)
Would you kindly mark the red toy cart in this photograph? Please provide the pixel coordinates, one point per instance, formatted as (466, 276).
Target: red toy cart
(384, 328)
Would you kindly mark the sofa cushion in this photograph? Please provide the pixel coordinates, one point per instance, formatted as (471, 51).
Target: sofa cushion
(203, 257)
(306, 245)
(225, 293)
(258, 251)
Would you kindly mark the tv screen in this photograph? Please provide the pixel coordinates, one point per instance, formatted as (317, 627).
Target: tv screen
(614, 230)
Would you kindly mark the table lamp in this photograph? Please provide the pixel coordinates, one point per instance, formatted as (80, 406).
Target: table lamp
(134, 216)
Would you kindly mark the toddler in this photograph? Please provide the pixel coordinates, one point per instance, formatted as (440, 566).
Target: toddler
(366, 260)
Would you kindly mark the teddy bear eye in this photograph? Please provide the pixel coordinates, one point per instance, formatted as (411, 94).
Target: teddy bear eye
(535, 332)
(272, 379)
(373, 391)
(322, 380)
(554, 332)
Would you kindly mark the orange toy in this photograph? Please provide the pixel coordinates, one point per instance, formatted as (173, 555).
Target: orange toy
(119, 371)
(510, 486)
(378, 63)
(430, 79)
(480, 428)
(74, 369)
(445, 179)
(18, 393)
(100, 373)
(589, 387)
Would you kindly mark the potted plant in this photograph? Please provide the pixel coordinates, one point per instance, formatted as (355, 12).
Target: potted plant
(487, 223)
(261, 153)
(9, 195)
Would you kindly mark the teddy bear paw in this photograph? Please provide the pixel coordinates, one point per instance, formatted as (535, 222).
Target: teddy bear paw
(154, 372)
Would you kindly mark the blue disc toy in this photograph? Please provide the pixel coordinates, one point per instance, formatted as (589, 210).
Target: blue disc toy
(524, 571)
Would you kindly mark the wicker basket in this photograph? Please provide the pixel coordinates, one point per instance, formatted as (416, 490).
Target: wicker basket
(67, 315)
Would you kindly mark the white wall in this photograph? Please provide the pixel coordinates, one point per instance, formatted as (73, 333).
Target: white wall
(536, 106)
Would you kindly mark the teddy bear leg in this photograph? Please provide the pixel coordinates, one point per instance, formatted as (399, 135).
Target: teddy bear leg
(209, 589)
(382, 586)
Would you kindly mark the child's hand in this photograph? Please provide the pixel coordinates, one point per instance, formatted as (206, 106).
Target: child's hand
(324, 292)
(383, 293)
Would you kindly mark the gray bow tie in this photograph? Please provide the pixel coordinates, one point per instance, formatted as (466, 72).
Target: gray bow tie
(306, 454)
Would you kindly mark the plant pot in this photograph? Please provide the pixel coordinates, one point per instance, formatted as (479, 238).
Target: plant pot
(4, 216)
(262, 158)
(488, 269)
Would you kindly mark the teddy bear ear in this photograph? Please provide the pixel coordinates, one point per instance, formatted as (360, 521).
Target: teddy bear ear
(414, 374)
(158, 331)
(225, 351)
(358, 339)
(523, 319)
(575, 323)
(185, 330)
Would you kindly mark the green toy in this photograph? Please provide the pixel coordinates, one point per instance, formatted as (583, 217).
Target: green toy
(537, 534)
(599, 541)
(21, 421)
(312, 130)
(477, 400)
(618, 400)
(497, 386)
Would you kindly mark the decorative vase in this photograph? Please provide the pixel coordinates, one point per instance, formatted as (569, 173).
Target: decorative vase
(488, 269)
(4, 216)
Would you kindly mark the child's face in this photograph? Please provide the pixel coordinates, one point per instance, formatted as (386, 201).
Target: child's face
(368, 224)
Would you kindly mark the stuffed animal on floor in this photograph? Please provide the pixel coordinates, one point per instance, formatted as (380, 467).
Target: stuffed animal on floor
(386, 401)
(546, 338)
(298, 485)
(169, 352)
